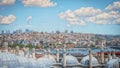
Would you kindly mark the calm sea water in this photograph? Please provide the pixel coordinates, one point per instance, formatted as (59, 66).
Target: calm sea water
(83, 51)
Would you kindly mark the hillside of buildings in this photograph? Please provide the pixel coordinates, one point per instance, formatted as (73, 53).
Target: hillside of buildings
(57, 39)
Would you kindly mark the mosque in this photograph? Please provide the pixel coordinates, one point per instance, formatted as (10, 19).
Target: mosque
(16, 58)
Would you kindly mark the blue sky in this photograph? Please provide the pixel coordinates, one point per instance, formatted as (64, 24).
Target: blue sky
(84, 16)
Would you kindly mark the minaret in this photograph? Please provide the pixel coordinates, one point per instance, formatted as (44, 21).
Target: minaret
(33, 53)
(23, 48)
(48, 54)
(113, 54)
(98, 57)
(17, 50)
(45, 53)
(9, 49)
(26, 51)
(102, 53)
(109, 55)
(90, 58)
(5, 44)
(13, 51)
(64, 58)
(57, 55)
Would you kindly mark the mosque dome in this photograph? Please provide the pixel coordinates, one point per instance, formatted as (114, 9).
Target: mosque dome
(47, 61)
(85, 61)
(21, 53)
(70, 60)
(106, 60)
(8, 60)
(24, 62)
(50, 58)
(35, 64)
(113, 63)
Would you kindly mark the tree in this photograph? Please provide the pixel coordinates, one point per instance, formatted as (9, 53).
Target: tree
(30, 46)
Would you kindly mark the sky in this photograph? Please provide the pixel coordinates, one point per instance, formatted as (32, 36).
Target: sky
(83, 16)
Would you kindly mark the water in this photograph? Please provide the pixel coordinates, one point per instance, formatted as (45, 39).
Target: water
(83, 51)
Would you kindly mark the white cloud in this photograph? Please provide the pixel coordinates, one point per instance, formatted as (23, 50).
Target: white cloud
(7, 19)
(79, 16)
(108, 15)
(84, 15)
(28, 19)
(39, 3)
(114, 6)
(88, 11)
(111, 17)
(7, 2)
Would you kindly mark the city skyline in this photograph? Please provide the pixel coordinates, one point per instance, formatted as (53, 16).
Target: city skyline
(84, 16)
